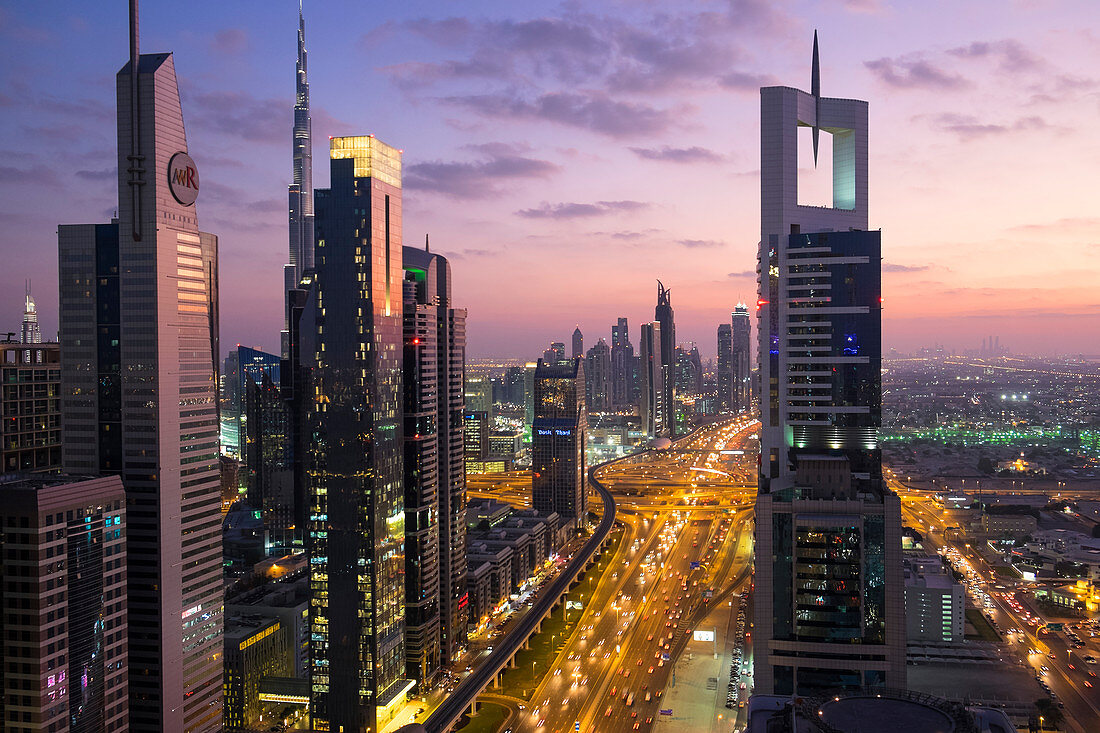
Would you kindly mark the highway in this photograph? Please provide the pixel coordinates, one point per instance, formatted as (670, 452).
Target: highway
(688, 516)
(1074, 686)
(443, 717)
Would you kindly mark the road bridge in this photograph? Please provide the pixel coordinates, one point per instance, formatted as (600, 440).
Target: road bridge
(464, 697)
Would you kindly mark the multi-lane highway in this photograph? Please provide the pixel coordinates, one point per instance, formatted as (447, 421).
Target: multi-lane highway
(1055, 661)
(687, 547)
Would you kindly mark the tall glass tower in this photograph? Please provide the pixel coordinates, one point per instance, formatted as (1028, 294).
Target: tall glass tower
(741, 359)
(351, 346)
(622, 365)
(558, 473)
(725, 366)
(651, 375)
(664, 315)
(829, 603)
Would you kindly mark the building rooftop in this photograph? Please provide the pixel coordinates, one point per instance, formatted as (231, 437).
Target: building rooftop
(860, 711)
(34, 481)
(239, 629)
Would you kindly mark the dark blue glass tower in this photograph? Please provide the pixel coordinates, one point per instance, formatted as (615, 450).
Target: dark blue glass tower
(351, 346)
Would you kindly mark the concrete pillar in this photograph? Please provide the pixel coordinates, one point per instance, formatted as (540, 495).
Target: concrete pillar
(496, 681)
(512, 662)
(473, 707)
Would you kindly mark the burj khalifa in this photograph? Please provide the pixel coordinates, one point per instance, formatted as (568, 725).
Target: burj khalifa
(300, 191)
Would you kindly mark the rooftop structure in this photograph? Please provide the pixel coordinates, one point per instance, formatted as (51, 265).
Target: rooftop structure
(883, 709)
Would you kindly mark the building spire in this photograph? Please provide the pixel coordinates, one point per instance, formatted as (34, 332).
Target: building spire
(31, 333)
(815, 91)
(135, 159)
(300, 190)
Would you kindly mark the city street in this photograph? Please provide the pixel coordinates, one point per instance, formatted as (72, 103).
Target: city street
(1056, 662)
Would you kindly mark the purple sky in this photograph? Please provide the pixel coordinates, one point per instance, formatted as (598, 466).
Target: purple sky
(565, 155)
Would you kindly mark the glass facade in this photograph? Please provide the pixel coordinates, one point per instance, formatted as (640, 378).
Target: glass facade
(557, 440)
(351, 333)
(663, 314)
(827, 583)
(64, 556)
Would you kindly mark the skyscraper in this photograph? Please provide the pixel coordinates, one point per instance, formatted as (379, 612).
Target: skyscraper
(435, 476)
(513, 386)
(725, 366)
(597, 365)
(578, 343)
(139, 334)
(30, 433)
(558, 477)
(479, 393)
(300, 190)
(829, 607)
(529, 392)
(622, 366)
(31, 332)
(741, 359)
(268, 467)
(663, 314)
(63, 611)
(352, 342)
(652, 382)
(243, 365)
(688, 371)
(555, 353)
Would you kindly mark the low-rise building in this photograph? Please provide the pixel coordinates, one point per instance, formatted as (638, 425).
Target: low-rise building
(289, 604)
(501, 583)
(479, 586)
(505, 444)
(485, 514)
(1007, 526)
(506, 549)
(1080, 596)
(935, 605)
(256, 649)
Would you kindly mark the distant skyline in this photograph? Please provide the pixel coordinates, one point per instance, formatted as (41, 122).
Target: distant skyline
(565, 156)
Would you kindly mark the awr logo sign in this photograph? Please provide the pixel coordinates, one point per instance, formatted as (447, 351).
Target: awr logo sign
(183, 178)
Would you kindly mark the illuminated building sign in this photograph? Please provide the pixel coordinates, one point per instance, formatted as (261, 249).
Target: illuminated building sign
(183, 178)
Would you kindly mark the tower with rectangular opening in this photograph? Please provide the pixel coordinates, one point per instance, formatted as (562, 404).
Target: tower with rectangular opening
(828, 603)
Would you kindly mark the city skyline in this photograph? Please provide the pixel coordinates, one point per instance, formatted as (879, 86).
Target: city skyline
(529, 181)
(354, 526)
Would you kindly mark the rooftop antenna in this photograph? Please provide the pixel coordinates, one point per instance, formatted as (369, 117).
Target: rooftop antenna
(815, 91)
(135, 158)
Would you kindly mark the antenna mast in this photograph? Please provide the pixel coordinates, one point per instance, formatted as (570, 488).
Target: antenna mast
(135, 158)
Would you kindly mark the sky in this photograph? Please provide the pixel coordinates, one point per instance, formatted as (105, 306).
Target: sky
(564, 156)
